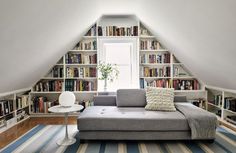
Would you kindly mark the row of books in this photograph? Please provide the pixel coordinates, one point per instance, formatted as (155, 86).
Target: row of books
(230, 103)
(92, 31)
(80, 85)
(155, 72)
(22, 101)
(86, 45)
(6, 107)
(163, 83)
(52, 85)
(75, 58)
(216, 100)
(117, 31)
(155, 58)
(41, 104)
(186, 84)
(57, 72)
(81, 72)
(149, 45)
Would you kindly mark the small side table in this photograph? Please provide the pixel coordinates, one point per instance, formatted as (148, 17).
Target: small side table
(66, 110)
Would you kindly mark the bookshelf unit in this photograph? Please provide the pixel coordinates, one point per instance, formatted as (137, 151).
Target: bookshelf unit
(77, 70)
(14, 109)
(160, 68)
(222, 102)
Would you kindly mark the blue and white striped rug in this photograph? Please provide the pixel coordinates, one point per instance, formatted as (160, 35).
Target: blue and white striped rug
(42, 139)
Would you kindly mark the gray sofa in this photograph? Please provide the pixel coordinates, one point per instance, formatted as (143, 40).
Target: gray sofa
(123, 117)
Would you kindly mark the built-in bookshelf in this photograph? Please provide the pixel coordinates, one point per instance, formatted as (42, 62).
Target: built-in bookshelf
(222, 102)
(77, 70)
(14, 108)
(160, 68)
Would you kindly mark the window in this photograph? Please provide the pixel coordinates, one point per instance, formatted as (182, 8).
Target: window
(123, 54)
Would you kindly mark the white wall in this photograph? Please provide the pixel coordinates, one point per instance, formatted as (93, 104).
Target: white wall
(35, 34)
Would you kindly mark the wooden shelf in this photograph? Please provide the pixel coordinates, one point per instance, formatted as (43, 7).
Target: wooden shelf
(46, 92)
(85, 51)
(156, 77)
(214, 105)
(89, 37)
(82, 78)
(184, 77)
(155, 64)
(147, 37)
(190, 91)
(158, 50)
(81, 64)
(118, 36)
(230, 111)
(51, 78)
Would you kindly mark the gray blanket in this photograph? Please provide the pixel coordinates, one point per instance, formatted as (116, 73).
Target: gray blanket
(202, 123)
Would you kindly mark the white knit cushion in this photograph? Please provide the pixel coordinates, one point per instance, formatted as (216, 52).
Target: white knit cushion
(160, 99)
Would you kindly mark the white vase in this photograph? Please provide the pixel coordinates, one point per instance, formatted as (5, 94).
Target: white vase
(105, 85)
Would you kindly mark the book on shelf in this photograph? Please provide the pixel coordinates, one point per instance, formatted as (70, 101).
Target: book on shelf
(117, 31)
(77, 58)
(178, 73)
(86, 45)
(22, 101)
(57, 72)
(155, 72)
(92, 31)
(80, 85)
(149, 45)
(21, 114)
(41, 104)
(163, 83)
(230, 103)
(6, 107)
(155, 58)
(52, 85)
(81, 72)
(186, 84)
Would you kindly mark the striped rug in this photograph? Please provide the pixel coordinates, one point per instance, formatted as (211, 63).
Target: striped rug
(42, 139)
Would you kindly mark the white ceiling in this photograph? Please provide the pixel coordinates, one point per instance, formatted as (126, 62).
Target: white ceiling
(35, 34)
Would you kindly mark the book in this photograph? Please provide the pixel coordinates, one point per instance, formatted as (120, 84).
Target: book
(92, 31)
(117, 31)
(155, 72)
(186, 84)
(80, 85)
(163, 83)
(86, 45)
(51, 85)
(149, 45)
(41, 104)
(78, 58)
(155, 58)
(81, 72)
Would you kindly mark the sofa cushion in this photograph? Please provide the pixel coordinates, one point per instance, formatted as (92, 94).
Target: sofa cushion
(160, 99)
(105, 100)
(180, 99)
(131, 98)
(112, 118)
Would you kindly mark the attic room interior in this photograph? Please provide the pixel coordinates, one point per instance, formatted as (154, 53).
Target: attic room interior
(117, 76)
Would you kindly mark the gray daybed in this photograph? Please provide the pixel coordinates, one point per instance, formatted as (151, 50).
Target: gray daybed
(123, 117)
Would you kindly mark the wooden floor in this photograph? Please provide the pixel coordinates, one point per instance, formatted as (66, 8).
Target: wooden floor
(18, 130)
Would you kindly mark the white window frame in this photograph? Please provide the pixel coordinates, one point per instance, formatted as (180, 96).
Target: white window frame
(134, 58)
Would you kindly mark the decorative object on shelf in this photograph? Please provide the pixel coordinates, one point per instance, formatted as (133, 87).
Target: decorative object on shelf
(67, 99)
(108, 72)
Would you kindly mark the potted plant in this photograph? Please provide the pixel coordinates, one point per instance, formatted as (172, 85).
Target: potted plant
(108, 72)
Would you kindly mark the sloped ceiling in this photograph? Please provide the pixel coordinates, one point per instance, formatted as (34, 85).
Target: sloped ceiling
(35, 34)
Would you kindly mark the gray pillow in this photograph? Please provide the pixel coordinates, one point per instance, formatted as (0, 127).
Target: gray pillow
(180, 98)
(131, 98)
